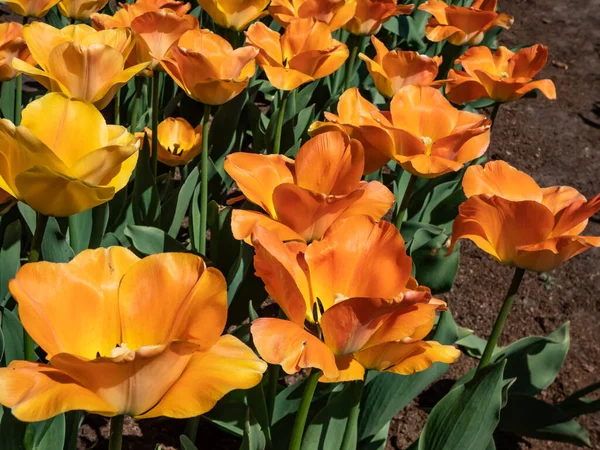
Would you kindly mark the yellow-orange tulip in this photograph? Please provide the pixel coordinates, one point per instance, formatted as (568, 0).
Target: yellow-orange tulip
(124, 16)
(426, 135)
(64, 158)
(392, 70)
(334, 13)
(80, 9)
(305, 52)
(503, 77)
(146, 341)
(234, 14)
(178, 141)
(373, 316)
(31, 8)
(157, 32)
(12, 45)
(370, 15)
(461, 25)
(304, 198)
(207, 67)
(355, 113)
(79, 61)
(519, 223)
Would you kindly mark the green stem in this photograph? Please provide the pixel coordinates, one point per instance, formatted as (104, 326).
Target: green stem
(354, 44)
(405, 199)
(118, 107)
(280, 117)
(191, 428)
(34, 256)
(272, 388)
(348, 440)
(18, 99)
(204, 180)
(155, 83)
(137, 103)
(116, 433)
(495, 113)
(497, 330)
(302, 414)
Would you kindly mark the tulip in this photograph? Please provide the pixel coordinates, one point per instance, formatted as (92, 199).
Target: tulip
(234, 14)
(64, 158)
(128, 12)
(79, 61)
(503, 77)
(392, 70)
(207, 67)
(12, 45)
(303, 198)
(519, 223)
(370, 15)
(178, 142)
(305, 52)
(334, 13)
(80, 9)
(355, 287)
(145, 342)
(460, 25)
(31, 8)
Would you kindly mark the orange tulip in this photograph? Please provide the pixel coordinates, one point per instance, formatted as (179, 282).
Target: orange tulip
(334, 13)
(79, 61)
(178, 142)
(392, 70)
(355, 287)
(12, 45)
(304, 198)
(461, 25)
(124, 16)
(503, 77)
(519, 223)
(370, 15)
(80, 9)
(31, 8)
(207, 67)
(234, 14)
(145, 342)
(355, 113)
(305, 52)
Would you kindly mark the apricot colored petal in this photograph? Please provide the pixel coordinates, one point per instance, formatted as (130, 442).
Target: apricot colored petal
(463, 146)
(477, 58)
(309, 213)
(105, 94)
(406, 359)
(574, 215)
(41, 38)
(549, 254)
(349, 370)
(268, 43)
(233, 65)
(172, 296)
(351, 257)
(557, 198)
(257, 176)
(37, 392)
(428, 166)
(380, 78)
(216, 91)
(44, 78)
(378, 144)
(501, 89)
(501, 179)
(438, 33)
(244, 222)
(462, 88)
(281, 267)
(226, 366)
(286, 79)
(527, 62)
(102, 165)
(375, 202)
(331, 60)
(286, 343)
(546, 87)
(50, 305)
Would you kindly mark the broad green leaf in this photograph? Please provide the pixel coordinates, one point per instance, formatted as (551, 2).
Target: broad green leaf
(55, 247)
(46, 435)
(378, 441)
(7, 99)
(472, 345)
(28, 215)
(12, 431)
(433, 268)
(230, 413)
(184, 197)
(465, 419)
(80, 230)
(146, 198)
(100, 216)
(73, 420)
(12, 337)
(186, 443)
(253, 439)
(194, 219)
(150, 240)
(577, 404)
(10, 255)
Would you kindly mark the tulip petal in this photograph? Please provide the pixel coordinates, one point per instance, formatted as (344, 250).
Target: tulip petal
(37, 392)
(574, 214)
(105, 94)
(528, 62)
(375, 202)
(358, 258)
(548, 255)
(349, 370)
(268, 43)
(172, 296)
(103, 165)
(287, 344)
(226, 366)
(557, 198)
(546, 87)
(428, 166)
(461, 88)
(244, 222)
(51, 307)
(285, 78)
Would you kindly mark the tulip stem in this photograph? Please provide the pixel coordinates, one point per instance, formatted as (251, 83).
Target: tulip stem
(302, 414)
(204, 180)
(354, 44)
(116, 433)
(34, 256)
(405, 199)
(18, 99)
(137, 103)
(272, 388)
(495, 113)
(191, 428)
(280, 117)
(118, 107)
(352, 423)
(155, 83)
(497, 330)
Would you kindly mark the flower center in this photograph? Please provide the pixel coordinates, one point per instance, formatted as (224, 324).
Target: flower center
(428, 143)
(505, 75)
(176, 150)
(122, 352)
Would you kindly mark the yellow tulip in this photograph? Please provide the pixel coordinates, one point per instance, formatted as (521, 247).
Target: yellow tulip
(125, 336)
(64, 158)
(80, 9)
(178, 141)
(234, 14)
(79, 61)
(12, 45)
(31, 8)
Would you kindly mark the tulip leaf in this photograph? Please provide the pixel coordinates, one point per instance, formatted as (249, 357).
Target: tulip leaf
(184, 197)
(186, 443)
(194, 220)
(525, 415)
(73, 421)
(10, 254)
(227, 127)
(230, 413)
(150, 240)
(577, 404)
(465, 419)
(12, 337)
(433, 268)
(100, 216)
(145, 199)
(387, 393)
(28, 215)
(472, 345)
(55, 247)
(253, 439)
(377, 442)
(257, 407)
(49, 434)
(80, 230)
(12, 431)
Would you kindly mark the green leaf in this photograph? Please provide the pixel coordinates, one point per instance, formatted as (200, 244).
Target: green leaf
(146, 198)
(577, 404)
(184, 197)
(472, 345)
(527, 416)
(433, 268)
(465, 419)
(49, 434)
(80, 230)
(8, 100)
(150, 240)
(55, 247)
(12, 337)
(28, 215)
(12, 431)
(377, 442)
(186, 444)
(257, 407)
(100, 216)
(73, 420)
(10, 255)
(253, 439)
(230, 413)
